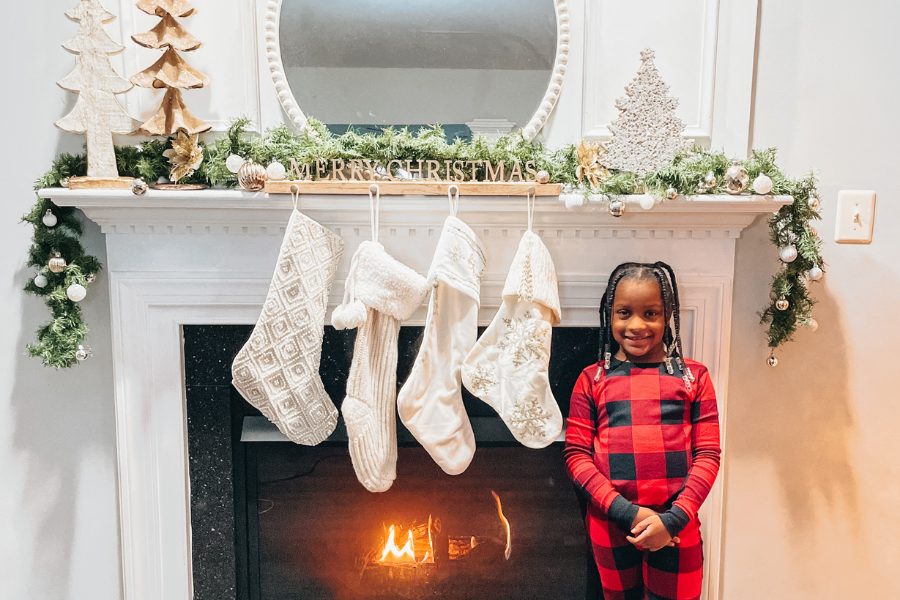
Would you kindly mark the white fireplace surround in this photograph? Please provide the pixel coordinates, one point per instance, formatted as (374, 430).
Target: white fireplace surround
(177, 258)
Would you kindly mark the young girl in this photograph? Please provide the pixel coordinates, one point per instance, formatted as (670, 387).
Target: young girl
(643, 442)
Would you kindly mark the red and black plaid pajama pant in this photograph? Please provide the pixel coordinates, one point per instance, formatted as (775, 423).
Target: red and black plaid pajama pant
(671, 573)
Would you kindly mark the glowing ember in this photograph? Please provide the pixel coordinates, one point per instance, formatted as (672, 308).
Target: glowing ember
(505, 524)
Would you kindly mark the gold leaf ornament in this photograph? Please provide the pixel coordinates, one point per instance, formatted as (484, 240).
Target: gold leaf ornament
(184, 156)
(589, 167)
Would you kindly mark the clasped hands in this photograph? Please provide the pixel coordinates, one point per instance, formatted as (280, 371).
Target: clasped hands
(649, 532)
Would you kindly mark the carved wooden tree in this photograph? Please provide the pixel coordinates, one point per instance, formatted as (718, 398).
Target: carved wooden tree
(171, 71)
(97, 113)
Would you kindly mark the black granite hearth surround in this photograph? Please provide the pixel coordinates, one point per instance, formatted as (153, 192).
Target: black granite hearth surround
(225, 507)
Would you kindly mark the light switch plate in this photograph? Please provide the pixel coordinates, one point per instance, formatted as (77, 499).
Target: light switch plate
(855, 217)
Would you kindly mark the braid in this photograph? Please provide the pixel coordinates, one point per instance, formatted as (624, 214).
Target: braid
(676, 309)
(606, 304)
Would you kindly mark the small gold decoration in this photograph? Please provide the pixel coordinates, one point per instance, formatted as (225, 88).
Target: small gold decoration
(616, 208)
(252, 176)
(57, 264)
(736, 179)
(589, 167)
(185, 155)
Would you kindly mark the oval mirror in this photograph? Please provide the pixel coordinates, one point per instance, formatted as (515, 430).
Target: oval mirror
(474, 67)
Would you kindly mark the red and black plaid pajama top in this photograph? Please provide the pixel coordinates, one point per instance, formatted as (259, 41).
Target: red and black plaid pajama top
(638, 437)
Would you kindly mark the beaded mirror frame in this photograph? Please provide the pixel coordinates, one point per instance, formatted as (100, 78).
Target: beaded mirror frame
(529, 131)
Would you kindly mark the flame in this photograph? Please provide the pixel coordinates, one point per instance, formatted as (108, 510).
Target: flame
(418, 540)
(398, 555)
(505, 524)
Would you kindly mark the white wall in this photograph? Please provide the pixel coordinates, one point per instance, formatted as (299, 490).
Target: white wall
(812, 480)
(58, 510)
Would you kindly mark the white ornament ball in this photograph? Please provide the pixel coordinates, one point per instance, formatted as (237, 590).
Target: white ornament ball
(76, 292)
(542, 177)
(49, 219)
(814, 274)
(81, 354)
(812, 325)
(762, 184)
(788, 253)
(276, 171)
(234, 163)
(574, 200)
(647, 202)
(40, 280)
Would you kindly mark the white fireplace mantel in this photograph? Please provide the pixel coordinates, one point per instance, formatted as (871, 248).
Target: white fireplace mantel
(206, 257)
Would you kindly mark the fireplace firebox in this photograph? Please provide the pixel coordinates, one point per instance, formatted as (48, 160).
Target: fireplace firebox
(272, 520)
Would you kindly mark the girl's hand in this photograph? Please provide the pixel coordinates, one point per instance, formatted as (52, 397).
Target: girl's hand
(651, 534)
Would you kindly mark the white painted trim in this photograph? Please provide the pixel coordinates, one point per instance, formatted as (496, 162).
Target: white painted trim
(298, 118)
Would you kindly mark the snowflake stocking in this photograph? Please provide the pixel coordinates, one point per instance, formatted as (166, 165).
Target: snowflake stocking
(430, 402)
(507, 368)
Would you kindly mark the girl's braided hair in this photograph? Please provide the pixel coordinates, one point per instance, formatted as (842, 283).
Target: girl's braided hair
(668, 288)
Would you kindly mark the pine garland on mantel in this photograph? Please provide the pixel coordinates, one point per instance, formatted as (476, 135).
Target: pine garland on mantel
(58, 342)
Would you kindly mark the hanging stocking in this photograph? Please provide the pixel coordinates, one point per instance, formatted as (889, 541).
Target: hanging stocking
(387, 292)
(277, 370)
(507, 368)
(430, 402)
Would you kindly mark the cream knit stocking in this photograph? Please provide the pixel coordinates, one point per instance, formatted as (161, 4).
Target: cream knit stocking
(277, 370)
(388, 293)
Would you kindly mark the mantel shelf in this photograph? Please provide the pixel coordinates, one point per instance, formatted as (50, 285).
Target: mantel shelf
(219, 211)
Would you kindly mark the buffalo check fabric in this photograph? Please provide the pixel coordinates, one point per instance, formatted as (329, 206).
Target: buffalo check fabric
(638, 437)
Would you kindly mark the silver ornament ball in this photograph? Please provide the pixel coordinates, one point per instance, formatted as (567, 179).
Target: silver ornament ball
(64, 182)
(671, 193)
(709, 182)
(49, 219)
(81, 354)
(782, 303)
(234, 163)
(76, 292)
(542, 177)
(57, 263)
(788, 253)
(276, 171)
(762, 184)
(138, 187)
(814, 274)
(617, 208)
(40, 280)
(772, 361)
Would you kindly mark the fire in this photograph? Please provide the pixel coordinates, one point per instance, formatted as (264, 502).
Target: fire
(505, 524)
(418, 542)
(406, 554)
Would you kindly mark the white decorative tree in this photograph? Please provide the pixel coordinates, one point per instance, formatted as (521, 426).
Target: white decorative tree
(647, 133)
(97, 112)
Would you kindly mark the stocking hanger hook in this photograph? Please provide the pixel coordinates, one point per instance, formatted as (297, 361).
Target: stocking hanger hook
(453, 197)
(374, 209)
(529, 203)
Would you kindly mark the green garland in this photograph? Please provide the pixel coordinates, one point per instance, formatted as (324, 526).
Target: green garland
(58, 341)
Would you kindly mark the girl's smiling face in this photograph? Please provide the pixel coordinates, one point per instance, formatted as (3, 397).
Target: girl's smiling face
(639, 321)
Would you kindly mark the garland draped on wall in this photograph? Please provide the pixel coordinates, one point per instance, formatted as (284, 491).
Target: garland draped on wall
(58, 342)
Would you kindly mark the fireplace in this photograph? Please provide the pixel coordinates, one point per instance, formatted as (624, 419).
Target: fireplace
(299, 525)
(176, 259)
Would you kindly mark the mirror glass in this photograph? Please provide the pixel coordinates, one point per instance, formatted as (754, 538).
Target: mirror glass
(399, 62)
